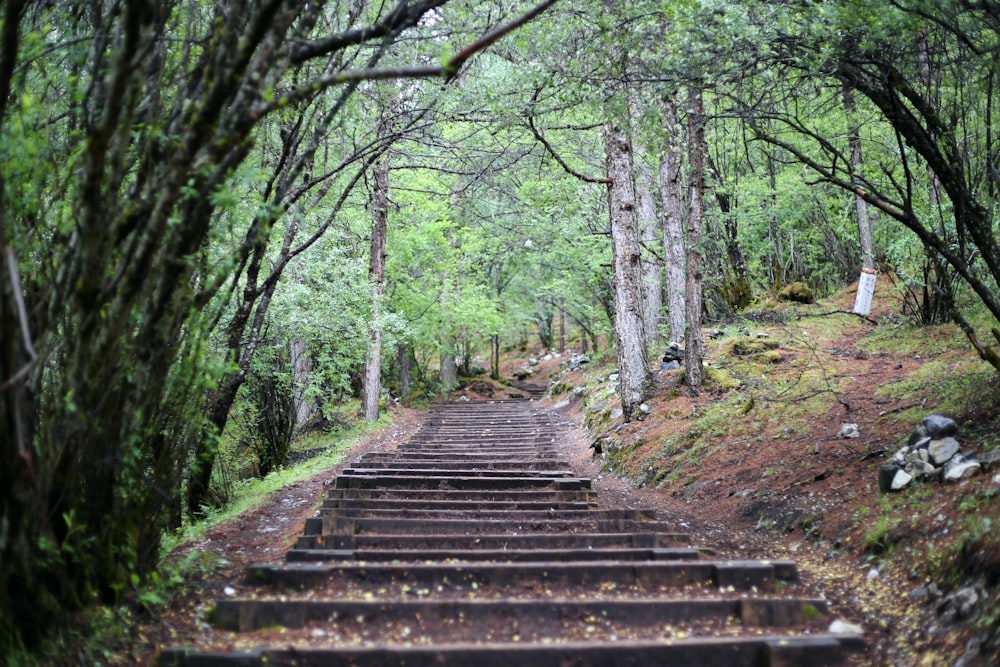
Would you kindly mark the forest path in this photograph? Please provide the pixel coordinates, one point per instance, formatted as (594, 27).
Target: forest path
(479, 540)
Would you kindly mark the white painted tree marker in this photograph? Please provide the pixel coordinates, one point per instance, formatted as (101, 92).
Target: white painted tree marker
(866, 290)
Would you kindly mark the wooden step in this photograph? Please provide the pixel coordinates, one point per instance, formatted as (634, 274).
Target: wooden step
(755, 651)
(739, 575)
(581, 494)
(530, 541)
(492, 555)
(529, 619)
(334, 525)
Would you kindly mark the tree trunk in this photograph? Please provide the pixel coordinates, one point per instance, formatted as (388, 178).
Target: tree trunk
(927, 81)
(495, 356)
(652, 265)
(776, 268)
(220, 401)
(626, 269)
(860, 205)
(301, 366)
(694, 372)
(672, 197)
(371, 389)
(22, 508)
(652, 269)
(562, 328)
(404, 367)
(449, 369)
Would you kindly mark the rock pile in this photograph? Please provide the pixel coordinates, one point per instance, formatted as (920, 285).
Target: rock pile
(931, 452)
(673, 357)
(522, 373)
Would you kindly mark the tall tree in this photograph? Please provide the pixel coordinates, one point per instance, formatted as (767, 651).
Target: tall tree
(626, 265)
(372, 386)
(649, 230)
(652, 267)
(694, 372)
(857, 164)
(672, 196)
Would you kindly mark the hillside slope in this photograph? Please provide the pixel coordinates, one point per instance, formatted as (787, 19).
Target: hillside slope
(759, 454)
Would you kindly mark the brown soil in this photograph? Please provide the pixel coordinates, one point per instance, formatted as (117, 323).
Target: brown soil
(799, 495)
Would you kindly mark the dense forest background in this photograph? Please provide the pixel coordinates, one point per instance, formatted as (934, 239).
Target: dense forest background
(222, 222)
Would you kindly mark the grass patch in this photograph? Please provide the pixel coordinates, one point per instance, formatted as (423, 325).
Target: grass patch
(949, 386)
(250, 493)
(811, 612)
(909, 339)
(880, 538)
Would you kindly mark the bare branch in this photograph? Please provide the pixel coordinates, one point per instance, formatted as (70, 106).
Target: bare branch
(462, 56)
(562, 163)
(22, 316)
(404, 14)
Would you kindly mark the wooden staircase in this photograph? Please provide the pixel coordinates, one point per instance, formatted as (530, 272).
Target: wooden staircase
(474, 544)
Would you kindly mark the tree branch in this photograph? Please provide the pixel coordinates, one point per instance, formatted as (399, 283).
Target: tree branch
(447, 71)
(22, 316)
(462, 56)
(404, 14)
(562, 163)
(866, 318)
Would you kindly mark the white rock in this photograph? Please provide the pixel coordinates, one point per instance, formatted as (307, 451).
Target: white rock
(872, 575)
(919, 468)
(901, 479)
(839, 627)
(924, 456)
(900, 456)
(994, 487)
(942, 450)
(960, 469)
(849, 431)
(229, 591)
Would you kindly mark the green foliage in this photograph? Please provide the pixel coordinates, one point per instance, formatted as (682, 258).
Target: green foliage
(879, 538)
(144, 192)
(142, 187)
